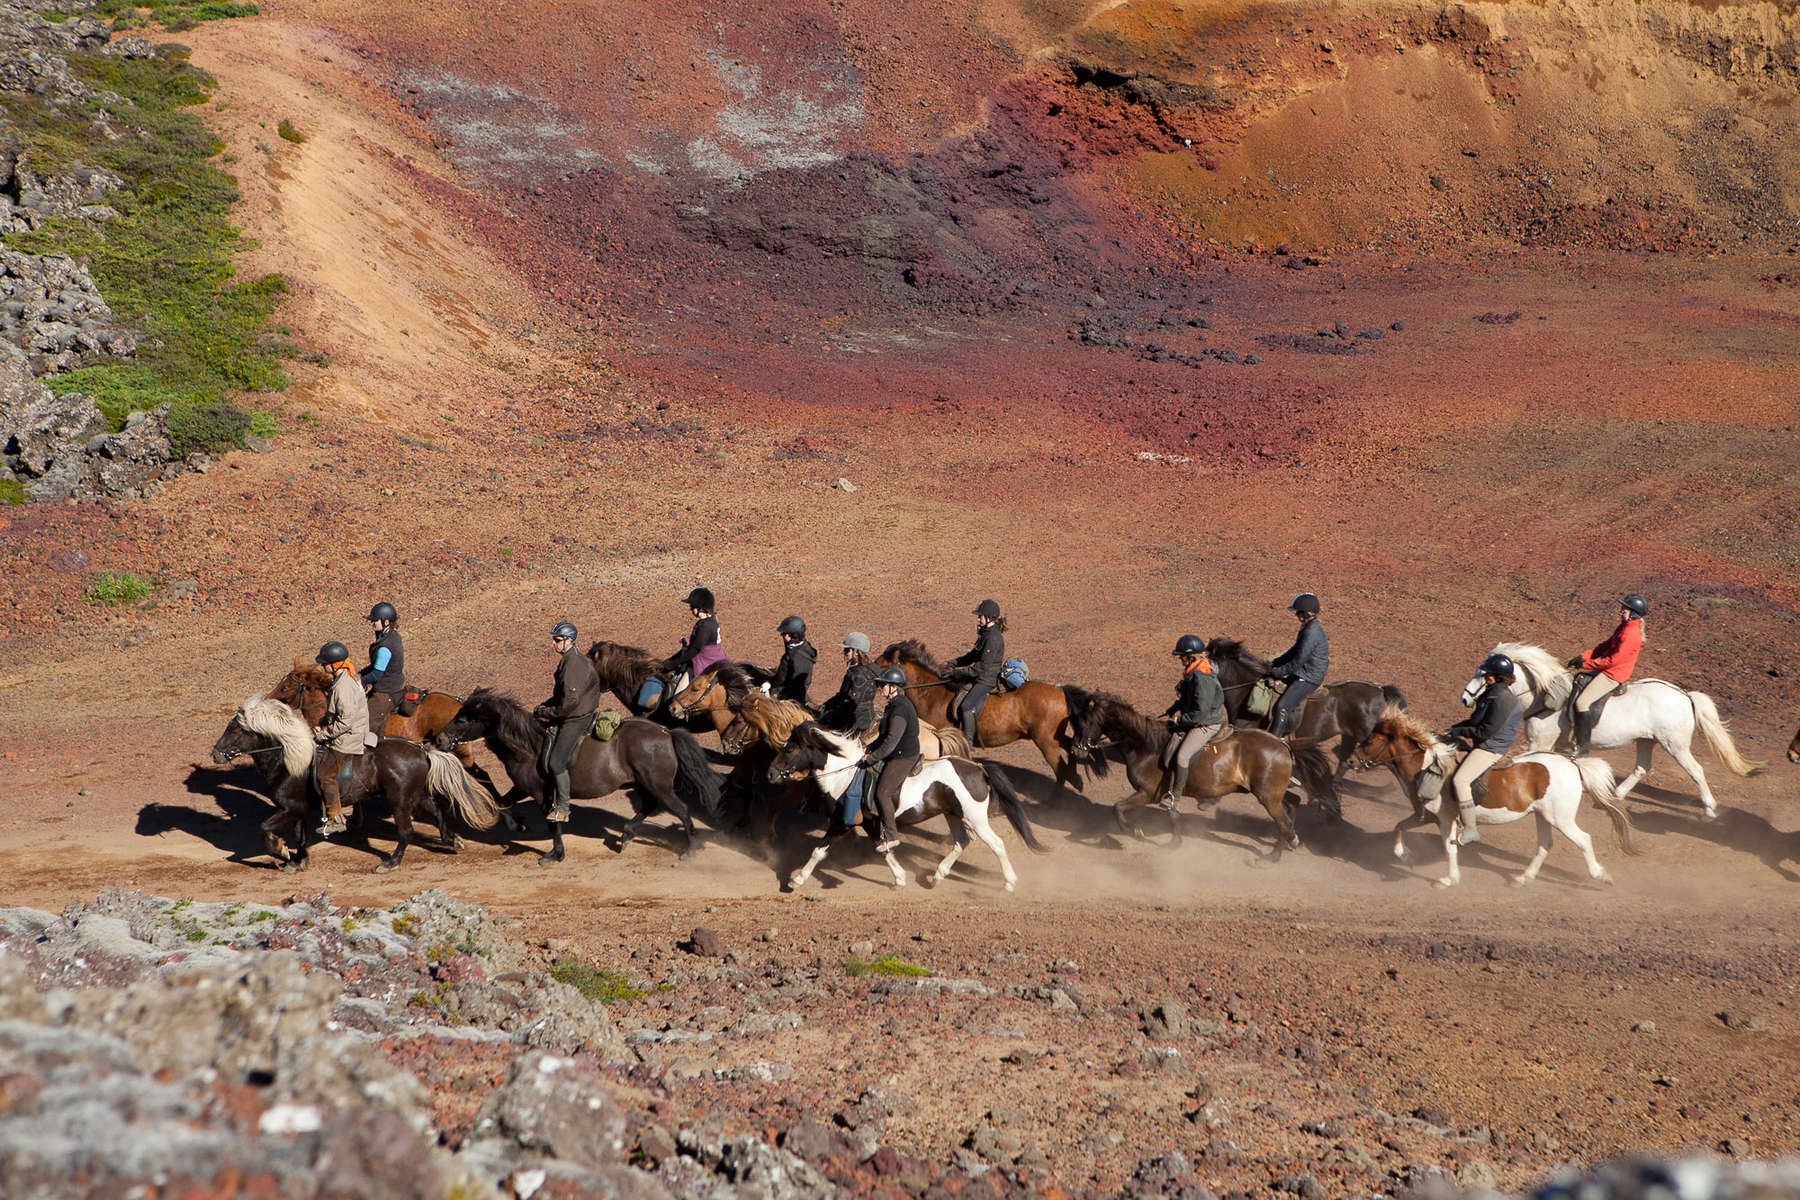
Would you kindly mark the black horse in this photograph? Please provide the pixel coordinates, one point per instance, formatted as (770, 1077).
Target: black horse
(1348, 710)
(410, 776)
(668, 764)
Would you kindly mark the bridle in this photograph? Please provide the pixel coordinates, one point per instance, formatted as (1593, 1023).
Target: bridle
(687, 709)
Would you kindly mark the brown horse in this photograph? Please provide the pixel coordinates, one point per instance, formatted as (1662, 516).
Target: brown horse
(308, 684)
(1039, 712)
(1347, 709)
(1249, 760)
(715, 695)
(624, 669)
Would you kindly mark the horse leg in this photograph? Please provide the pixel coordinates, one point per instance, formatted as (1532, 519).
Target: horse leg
(1447, 827)
(984, 829)
(893, 863)
(555, 853)
(1543, 851)
(1137, 799)
(959, 834)
(1417, 818)
(1286, 836)
(798, 879)
(465, 754)
(1685, 756)
(1059, 762)
(1645, 747)
(1576, 834)
(402, 812)
(664, 792)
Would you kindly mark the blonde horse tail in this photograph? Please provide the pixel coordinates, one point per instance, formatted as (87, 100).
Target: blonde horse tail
(446, 778)
(1598, 780)
(1718, 735)
(951, 742)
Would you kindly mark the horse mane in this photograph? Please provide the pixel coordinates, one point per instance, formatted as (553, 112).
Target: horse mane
(815, 736)
(613, 658)
(775, 720)
(1235, 651)
(1398, 722)
(913, 651)
(512, 727)
(1129, 729)
(275, 719)
(1556, 679)
(736, 680)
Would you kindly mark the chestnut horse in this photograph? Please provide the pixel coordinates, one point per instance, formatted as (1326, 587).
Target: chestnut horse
(306, 687)
(1545, 784)
(1249, 760)
(1346, 709)
(1039, 712)
(623, 670)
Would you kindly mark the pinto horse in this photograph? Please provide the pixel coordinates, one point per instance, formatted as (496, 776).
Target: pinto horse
(668, 764)
(1544, 784)
(1249, 760)
(1648, 712)
(280, 741)
(1346, 710)
(308, 685)
(957, 789)
(1039, 712)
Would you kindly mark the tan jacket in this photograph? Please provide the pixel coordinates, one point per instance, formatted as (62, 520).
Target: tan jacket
(346, 724)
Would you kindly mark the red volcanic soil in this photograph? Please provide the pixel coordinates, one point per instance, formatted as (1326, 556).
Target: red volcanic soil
(613, 296)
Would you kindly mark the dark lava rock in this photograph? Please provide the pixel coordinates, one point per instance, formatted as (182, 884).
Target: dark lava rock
(1165, 1176)
(810, 1139)
(705, 943)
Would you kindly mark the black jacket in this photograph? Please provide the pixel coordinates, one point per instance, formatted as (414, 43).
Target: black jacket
(706, 633)
(793, 675)
(392, 680)
(899, 731)
(983, 663)
(1199, 700)
(577, 688)
(1495, 722)
(852, 709)
(1308, 658)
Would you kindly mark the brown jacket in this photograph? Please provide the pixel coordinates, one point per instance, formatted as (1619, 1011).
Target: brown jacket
(577, 688)
(346, 724)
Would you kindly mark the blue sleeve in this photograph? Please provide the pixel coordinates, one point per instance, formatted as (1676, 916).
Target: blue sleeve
(382, 657)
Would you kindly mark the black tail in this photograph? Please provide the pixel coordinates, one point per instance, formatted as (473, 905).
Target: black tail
(1001, 786)
(1314, 770)
(1393, 695)
(1078, 700)
(695, 780)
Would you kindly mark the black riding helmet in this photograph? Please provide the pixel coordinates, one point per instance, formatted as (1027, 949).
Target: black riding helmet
(1499, 666)
(383, 612)
(332, 652)
(893, 675)
(1188, 643)
(700, 598)
(563, 629)
(1639, 606)
(989, 609)
(1305, 602)
(793, 625)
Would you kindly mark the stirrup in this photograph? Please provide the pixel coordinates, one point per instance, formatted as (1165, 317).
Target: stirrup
(329, 826)
(888, 846)
(1167, 802)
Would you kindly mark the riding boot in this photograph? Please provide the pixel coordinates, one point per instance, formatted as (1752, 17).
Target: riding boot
(1279, 722)
(1470, 833)
(559, 797)
(969, 722)
(1583, 733)
(1177, 784)
(329, 794)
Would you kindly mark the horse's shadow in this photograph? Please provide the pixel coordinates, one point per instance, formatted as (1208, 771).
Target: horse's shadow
(1733, 828)
(233, 829)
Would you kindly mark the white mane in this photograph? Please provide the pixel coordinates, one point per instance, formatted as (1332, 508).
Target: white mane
(846, 753)
(273, 719)
(1553, 679)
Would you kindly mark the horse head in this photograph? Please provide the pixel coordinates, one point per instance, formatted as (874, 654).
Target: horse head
(806, 751)
(304, 689)
(476, 719)
(236, 740)
(736, 737)
(1398, 735)
(911, 656)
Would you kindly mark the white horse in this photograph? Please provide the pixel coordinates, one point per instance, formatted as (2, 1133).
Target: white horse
(954, 787)
(1546, 785)
(1648, 712)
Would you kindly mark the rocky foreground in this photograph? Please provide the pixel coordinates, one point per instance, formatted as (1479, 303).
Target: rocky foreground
(157, 1047)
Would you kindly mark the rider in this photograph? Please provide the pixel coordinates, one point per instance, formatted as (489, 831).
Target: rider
(852, 709)
(342, 735)
(1199, 711)
(1490, 731)
(1612, 661)
(701, 648)
(385, 676)
(793, 675)
(1303, 666)
(981, 665)
(569, 715)
(897, 751)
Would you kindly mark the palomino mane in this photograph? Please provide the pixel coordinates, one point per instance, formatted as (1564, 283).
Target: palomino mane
(1545, 667)
(913, 651)
(513, 727)
(775, 720)
(1398, 722)
(274, 719)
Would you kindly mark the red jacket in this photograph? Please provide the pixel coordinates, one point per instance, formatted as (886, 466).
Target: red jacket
(1619, 653)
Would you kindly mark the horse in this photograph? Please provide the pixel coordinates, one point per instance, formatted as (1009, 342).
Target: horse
(957, 789)
(1039, 712)
(1646, 711)
(1346, 709)
(623, 670)
(308, 684)
(1249, 760)
(666, 763)
(1545, 784)
(279, 740)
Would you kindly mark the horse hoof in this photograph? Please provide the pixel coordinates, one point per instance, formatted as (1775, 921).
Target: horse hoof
(1606, 878)
(382, 868)
(1009, 886)
(1444, 882)
(549, 860)
(1519, 881)
(456, 845)
(288, 868)
(1709, 814)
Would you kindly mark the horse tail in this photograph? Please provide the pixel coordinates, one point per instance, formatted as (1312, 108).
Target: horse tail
(695, 780)
(1315, 774)
(952, 742)
(1718, 735)
(1001, 786)
(446, 777)
(1393, 695)
(1600, 783)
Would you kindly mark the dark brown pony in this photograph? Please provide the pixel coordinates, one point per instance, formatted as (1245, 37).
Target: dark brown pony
(1250, 760)
(1347, 710)
(666, 764)
(1038, 712)
(308, 684)
(623, 670)
(279, 739)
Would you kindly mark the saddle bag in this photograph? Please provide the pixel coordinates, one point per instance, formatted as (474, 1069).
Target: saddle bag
(1262, 697)
(410, 699)
(1014, 674)
(606, 723)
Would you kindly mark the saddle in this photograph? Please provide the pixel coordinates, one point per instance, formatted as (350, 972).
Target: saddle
(954, 712)
(1579, 685)
(410, 699)
(918, 766)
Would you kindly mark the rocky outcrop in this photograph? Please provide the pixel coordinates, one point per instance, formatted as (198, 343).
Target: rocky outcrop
(64, 448)
(51, 309)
